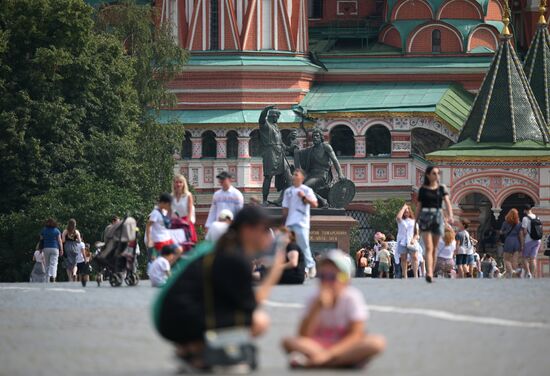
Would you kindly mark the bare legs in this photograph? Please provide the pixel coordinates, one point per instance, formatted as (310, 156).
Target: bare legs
(430, 244)
(354, 354)
(404, 265)
(530, 264)
(509, 261)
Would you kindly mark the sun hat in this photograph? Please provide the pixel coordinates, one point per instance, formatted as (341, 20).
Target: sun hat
(341, 260)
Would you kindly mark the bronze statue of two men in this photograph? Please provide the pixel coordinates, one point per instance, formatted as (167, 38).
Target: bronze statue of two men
(316, 161)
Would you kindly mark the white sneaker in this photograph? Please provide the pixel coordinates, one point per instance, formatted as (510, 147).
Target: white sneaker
(312, 272)
(529, 276)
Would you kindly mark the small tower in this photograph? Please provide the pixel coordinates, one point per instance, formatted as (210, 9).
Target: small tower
(505, 110)
(537, 64)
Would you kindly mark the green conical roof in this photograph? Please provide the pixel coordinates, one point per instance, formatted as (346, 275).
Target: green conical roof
(505, 109)
(537, 68)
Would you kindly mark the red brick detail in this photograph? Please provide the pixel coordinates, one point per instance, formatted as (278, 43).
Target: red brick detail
(461, 9)
(230, 32)
(412, 10)
(483, 37)
(284, 35)
(330, 11)
(420, 40)
(183, 23)
(195, 35)
(250, 27)
(392, 38)
(494, 11)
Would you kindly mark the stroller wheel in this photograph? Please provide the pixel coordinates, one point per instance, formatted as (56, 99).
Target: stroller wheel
(131, 279)
(115, 280)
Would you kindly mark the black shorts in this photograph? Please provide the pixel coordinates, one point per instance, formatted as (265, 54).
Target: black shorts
(83, 268)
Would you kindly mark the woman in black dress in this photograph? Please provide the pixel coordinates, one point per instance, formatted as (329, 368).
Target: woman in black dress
(431, 217)
(294, 272)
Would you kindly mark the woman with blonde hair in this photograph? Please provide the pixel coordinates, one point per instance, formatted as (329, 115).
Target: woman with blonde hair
(511, 237)
(183, 207)
(405, 236)
(445, 252)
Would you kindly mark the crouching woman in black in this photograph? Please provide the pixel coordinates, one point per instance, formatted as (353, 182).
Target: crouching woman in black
(214, 289)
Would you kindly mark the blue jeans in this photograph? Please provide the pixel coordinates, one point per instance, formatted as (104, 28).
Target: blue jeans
(302, 239)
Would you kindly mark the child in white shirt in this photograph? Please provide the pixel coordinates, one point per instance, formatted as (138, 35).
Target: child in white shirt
(160, 270)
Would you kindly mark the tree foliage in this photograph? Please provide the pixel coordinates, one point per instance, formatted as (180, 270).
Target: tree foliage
(383, 218)
(77, 138)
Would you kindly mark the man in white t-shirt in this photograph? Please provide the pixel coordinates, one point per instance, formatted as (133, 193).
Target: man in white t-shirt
(297, 201)
(530, 246)
(228, 197)
(219, 227)
(160, 270)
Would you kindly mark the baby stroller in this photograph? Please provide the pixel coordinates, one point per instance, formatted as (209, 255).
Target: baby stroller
(117, 256)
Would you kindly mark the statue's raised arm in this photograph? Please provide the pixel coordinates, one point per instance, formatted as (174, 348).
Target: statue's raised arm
(334, 160)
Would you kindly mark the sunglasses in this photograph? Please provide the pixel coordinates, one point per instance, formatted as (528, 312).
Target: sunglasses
(332, 277)
(327, 277)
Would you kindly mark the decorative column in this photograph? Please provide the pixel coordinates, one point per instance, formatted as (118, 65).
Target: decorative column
(221, 147)
(496, 212)
(360, 146)
(243, 147)
(196, 142)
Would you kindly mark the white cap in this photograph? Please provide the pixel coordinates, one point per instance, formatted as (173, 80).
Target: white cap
(342, 261)
(225, 214)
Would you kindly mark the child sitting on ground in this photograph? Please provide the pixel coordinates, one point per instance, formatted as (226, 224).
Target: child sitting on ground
(385, 261)
(160, 270)
(332, 331)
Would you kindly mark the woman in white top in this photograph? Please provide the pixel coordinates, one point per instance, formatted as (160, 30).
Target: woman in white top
(183, 206)
(405, 240)
(445, 253)
(182, 199)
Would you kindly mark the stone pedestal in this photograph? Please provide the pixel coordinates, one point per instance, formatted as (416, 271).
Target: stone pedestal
(331, 231)
(330, 228)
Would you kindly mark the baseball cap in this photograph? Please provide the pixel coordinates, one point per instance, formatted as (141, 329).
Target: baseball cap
(224, 175)
(225, 214)
(341, 260)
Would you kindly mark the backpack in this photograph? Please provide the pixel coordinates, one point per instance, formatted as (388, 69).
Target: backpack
(535, 231)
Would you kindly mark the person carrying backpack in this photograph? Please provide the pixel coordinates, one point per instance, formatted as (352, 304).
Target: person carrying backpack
(531, 227)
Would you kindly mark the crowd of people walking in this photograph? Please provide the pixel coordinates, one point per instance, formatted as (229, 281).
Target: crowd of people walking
(221, 283)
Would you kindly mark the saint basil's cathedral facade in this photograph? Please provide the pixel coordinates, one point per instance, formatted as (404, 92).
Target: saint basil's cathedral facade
(391, 82)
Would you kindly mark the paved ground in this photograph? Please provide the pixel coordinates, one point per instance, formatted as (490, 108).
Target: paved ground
(460, 327)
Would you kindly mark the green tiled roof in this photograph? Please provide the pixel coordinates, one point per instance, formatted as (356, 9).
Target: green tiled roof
(470, 148)
(219, 116)
(426, 64)
(537, 69)
(449, 102)
(505, 110)
(280, 59)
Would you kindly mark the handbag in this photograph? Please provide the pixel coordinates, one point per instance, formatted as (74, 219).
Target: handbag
(225, 347)
(414, 246)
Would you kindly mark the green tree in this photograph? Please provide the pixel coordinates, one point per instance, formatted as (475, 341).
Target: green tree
(383, 218)
(77, 138)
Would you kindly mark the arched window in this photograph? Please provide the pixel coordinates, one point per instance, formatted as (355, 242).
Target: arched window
(232, 145)
(436, 40)
(254, 144)
(378, 141)
(209, 144)
(342, 141)
(187, 147)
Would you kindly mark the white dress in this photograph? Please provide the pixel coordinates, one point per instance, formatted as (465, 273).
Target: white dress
(181, 207)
